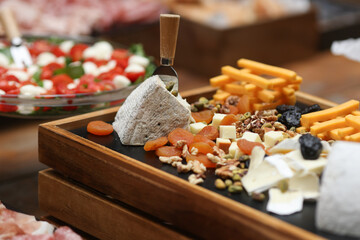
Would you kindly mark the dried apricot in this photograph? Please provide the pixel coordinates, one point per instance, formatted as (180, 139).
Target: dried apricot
(180, 134)
(247, 146)
(99, 128)
(201, 138)
(201, 147)
(233, 109)
(210, 132)
(203, 116)
(155, 144)
(168, 151)
(244, 104)
(229, 119)
(202, 158)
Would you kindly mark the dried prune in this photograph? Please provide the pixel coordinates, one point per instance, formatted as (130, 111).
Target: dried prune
(310, 146)
(290, 118)
(284, 108)
(312, 108)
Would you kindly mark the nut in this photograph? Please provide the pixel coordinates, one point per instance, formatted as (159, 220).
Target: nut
(228, 182)
(258, 196)
(195, 179)
(219, 184)
(283, 185)
(235, 189)
(236, 177)
(170, 160)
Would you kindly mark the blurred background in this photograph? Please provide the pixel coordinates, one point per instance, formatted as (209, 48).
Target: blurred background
(294, 34)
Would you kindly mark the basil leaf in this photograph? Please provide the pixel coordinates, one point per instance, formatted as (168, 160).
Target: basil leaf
(37, 79)
(137, 49)
(75, 71)
(7, 53)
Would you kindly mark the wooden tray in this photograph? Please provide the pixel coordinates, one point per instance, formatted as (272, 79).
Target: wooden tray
(146, 186)
(95, 213)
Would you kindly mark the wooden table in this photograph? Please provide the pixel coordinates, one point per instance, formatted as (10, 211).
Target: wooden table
(327, 76)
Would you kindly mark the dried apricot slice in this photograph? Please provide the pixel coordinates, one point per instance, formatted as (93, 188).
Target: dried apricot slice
(201, 147)
(99, 128)
(233, 109)
(247, 146)
(180, 134)
(155, 144)
(210, 132)
(168, 151)
(203, 116)
(243, 104)
(201, 158)
(229, 119)
(201, 138)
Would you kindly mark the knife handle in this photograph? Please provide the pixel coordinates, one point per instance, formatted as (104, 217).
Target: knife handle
(169, 26)
(9, 23)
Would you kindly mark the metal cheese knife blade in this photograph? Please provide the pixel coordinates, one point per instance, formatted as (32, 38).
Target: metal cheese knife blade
(169, 26)
(19, 52)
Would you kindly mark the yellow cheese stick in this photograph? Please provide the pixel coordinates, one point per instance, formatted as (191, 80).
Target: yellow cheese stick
(237, 89)
(221, 96)
(346, 108)
(328, 125)
(298, 80)
(356, 113)
(290, 100)
(353, 121)
(296, 87)
(267, 69)
(354, 137)
(288, 91)
(220, 80)
(301, 129)
(266, 96)
(346, 131)
(323, 136)
(278, 82)
(265, 106)
(334, 134)
(244, 76)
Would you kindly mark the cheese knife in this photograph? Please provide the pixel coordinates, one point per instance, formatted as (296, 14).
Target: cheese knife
(19, 52)
(169, 26)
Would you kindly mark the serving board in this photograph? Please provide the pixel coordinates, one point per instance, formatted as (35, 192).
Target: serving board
(140, 180)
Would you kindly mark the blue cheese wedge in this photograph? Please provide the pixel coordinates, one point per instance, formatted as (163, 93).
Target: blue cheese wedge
(150, 112)
(338, 208)
(285, 203)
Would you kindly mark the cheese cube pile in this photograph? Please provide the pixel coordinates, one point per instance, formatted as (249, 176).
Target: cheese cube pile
(341, 122)
(263, 93)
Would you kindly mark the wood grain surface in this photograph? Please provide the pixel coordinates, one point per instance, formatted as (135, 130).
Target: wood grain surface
(94, 213)
(189, 207)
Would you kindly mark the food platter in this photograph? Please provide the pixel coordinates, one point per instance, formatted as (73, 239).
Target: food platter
(140, 180)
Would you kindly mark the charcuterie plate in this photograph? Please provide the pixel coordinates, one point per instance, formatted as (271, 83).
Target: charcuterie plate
(138, 179)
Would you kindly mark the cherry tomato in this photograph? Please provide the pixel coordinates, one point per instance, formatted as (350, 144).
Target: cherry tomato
(76, 52)
(61, 79)
(57, 51)
(5, 86)
(39, 46)
(4, 107)
(97, 62)
(11, 78)
(120, 53)
(48, 70)
(2, 70)
(134, 76)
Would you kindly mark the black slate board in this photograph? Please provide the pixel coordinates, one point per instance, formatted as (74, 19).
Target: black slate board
(304, 219)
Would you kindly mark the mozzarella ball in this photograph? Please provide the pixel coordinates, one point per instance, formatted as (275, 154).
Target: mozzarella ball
(66, 46)
(30, 91)
(90, 68)
(2, 92)
(21, 75)
(121, 81)
(48, 84)
(25, 109)
(60, 60)
(31, 70)
(71, 85)
(45, 58)
(135, 68)
(143, 61)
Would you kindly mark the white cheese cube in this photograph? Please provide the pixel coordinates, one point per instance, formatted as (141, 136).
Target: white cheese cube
(217, 119)
(285, 203)
(228, 131)
(252, 137)
(195, 128)
(235, 151)
(338, 207)
(121, 81)
(272, 137)
(223, 144)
